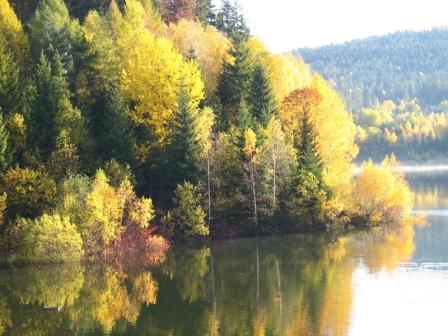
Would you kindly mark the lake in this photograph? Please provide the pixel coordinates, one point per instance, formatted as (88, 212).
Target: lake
(392, 282)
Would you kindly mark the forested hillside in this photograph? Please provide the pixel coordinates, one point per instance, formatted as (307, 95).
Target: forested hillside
(121, 119)
(403, 65)
(397, 87)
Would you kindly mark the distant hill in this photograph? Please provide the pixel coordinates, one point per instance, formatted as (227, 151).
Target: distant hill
(398, 66)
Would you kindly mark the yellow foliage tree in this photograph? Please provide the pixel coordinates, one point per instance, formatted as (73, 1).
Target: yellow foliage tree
(206, 44)
(382, 194)
(334, 127)
(286, 72)
(12, 33)
(153, 75)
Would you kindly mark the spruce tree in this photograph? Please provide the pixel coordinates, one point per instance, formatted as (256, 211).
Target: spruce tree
(231, 22)
(261, 99)
(43, 131)
(184, 149)
(9, 82)
(5, 153)
(111, 127)
(52, 32)
(205, 11)
(53, 111)
(306, 144)
(233, 85)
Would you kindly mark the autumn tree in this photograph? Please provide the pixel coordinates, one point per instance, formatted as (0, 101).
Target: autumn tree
(334, 129)
(209, 47)
(50, 238)
(13, 36)
(174, 10)
(278, 162)
(251, 153)
(30, 192)
(149, 61)
(286, 72)
(382, 195)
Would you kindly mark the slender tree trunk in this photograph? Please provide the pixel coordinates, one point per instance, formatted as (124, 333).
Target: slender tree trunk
(209, 191)
(274, 182)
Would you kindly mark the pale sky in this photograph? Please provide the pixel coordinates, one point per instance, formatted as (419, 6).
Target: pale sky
(288, 24)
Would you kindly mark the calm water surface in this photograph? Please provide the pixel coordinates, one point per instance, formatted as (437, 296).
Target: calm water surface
(381, 283)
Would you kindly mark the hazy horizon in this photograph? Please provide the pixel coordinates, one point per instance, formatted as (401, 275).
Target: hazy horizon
(283, 28)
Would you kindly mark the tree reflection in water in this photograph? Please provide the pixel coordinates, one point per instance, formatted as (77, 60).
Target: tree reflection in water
(291, 285)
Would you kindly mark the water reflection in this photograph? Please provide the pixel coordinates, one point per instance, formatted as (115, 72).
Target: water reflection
(292, 285)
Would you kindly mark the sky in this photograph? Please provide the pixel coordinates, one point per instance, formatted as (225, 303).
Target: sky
(289, 24)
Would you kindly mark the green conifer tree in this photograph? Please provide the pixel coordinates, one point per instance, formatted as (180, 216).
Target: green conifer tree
(205, 11)
(261, 99)
(306, 144)
(53, 111)
(53, 32)
(184, 149)
(231, 22)
(233, 85)
(111, 127)
(9, 82)
(5, 152)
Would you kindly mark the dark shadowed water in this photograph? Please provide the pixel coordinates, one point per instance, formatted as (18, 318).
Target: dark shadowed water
(380, 283)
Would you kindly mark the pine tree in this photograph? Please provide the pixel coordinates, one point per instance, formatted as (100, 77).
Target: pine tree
(261, 99)
(5, 153)
(233, 85)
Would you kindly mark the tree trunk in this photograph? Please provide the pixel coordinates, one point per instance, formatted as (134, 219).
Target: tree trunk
(209, 191)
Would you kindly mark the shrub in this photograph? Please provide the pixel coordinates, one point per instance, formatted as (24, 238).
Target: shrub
(380, 194)
(50, 238)
(29, 192)
(188, 215)
(138, 212)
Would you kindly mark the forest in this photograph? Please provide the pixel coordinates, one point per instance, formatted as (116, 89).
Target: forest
(397, 89)
(126, 125)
